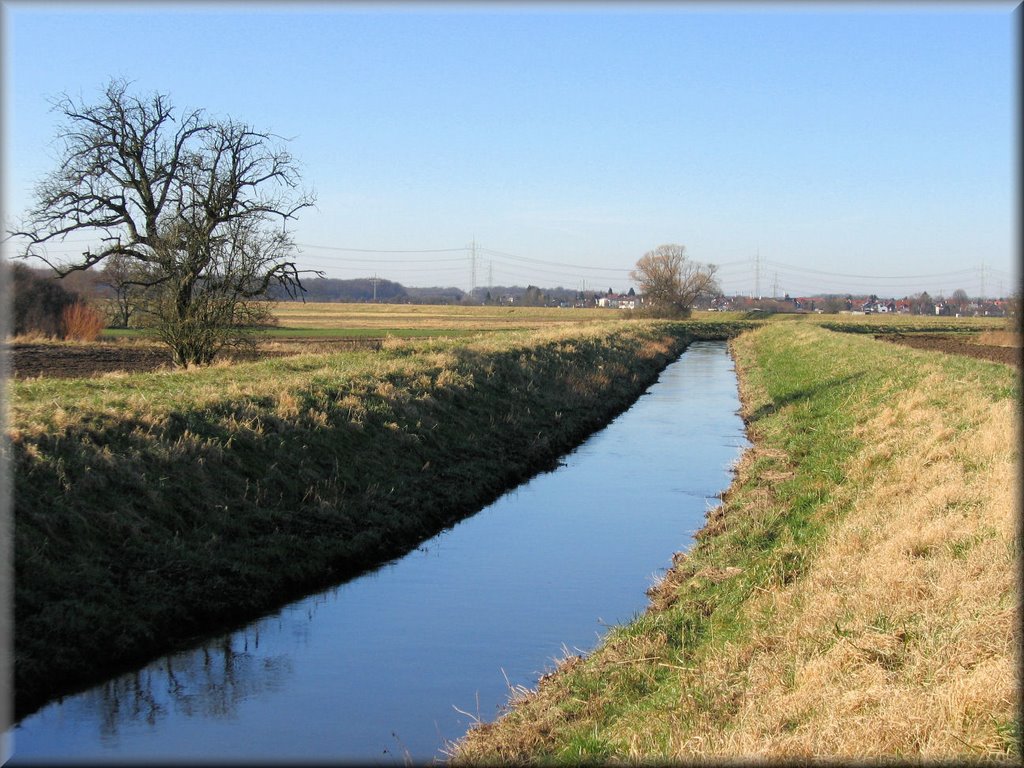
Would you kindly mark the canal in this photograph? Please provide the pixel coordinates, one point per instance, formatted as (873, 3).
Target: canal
(393, 665)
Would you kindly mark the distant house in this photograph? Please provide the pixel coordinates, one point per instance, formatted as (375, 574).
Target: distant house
(617, 301)
(881, 306)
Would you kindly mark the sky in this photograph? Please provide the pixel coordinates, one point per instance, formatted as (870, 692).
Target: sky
(802, 148)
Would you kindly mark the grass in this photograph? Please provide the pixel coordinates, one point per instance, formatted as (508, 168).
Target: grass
(336, 315)
(316, 333)
(330, 319)
(898, 323)
(150, 508)
(854, 597)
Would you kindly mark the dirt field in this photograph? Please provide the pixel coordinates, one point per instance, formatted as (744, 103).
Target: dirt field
(1007, 355)
(82, 360)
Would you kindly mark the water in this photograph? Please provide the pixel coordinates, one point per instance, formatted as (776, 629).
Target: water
(393, 665)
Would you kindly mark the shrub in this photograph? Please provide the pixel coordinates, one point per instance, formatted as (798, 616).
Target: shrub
(81, 322)
(38, 303)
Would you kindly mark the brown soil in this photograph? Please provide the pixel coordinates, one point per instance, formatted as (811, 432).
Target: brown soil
(66, 361)
(956, 346)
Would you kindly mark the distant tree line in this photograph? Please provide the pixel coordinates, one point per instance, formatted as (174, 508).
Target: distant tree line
(370, 289)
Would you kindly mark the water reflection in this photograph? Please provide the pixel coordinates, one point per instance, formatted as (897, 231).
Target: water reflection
(386, 667)
(207, 681)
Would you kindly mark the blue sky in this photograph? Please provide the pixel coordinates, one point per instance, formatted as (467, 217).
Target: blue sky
(864, 148)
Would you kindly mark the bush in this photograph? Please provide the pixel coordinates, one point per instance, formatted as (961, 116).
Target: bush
(38, 303)
(81, 322)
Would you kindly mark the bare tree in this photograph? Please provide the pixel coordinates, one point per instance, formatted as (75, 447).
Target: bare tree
(128, 280)
(959, 300)
(671, 282)
(190, 200)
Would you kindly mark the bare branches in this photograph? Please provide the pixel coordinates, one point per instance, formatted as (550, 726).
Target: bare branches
(192, 199)
(671, 282)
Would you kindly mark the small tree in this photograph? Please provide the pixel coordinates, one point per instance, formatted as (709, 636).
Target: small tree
(1014, 316)
(188, 200)
(671, 282)
(959, 300)
(922, 304)
(128, 279)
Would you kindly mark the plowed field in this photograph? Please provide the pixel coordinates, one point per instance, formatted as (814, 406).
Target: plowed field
(955, 346)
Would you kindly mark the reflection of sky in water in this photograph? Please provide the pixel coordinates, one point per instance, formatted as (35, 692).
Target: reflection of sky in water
(375, 669)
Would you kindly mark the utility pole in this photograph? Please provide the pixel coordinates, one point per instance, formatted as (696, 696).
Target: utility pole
(374, 287)
(775, 285)
(490, 274)
(757, 274)
(982, 296)
(472, 268)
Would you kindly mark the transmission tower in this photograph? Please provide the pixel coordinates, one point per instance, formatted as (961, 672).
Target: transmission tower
(472, 267)
(757, 274)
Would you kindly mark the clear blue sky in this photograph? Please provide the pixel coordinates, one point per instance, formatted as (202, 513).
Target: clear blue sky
(866, 140)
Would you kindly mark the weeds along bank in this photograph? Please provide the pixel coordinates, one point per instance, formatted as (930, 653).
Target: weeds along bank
(855, 596)
(153, 507)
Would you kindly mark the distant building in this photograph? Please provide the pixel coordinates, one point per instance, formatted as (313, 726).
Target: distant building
(617, 301)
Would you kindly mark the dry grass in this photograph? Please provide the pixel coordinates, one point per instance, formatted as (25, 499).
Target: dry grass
(902, 638)
(414, 316)
(999, 338)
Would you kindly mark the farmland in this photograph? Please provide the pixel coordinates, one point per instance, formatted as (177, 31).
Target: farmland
(326, 328)
(155, 505)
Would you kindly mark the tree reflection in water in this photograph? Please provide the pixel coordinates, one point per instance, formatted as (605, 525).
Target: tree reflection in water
(208, 681)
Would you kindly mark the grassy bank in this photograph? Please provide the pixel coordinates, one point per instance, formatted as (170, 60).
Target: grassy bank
(855, 595)
(152, 507)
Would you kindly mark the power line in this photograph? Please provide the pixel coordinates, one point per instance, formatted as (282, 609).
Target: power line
(380, 250)
(553, 263)
(872, 277)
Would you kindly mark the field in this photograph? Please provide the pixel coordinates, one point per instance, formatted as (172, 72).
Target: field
(386, 317)
(319, 327)
(300, 328)
(855, 597)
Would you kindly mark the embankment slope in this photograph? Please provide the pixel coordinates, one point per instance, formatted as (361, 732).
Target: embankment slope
(856, 595)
